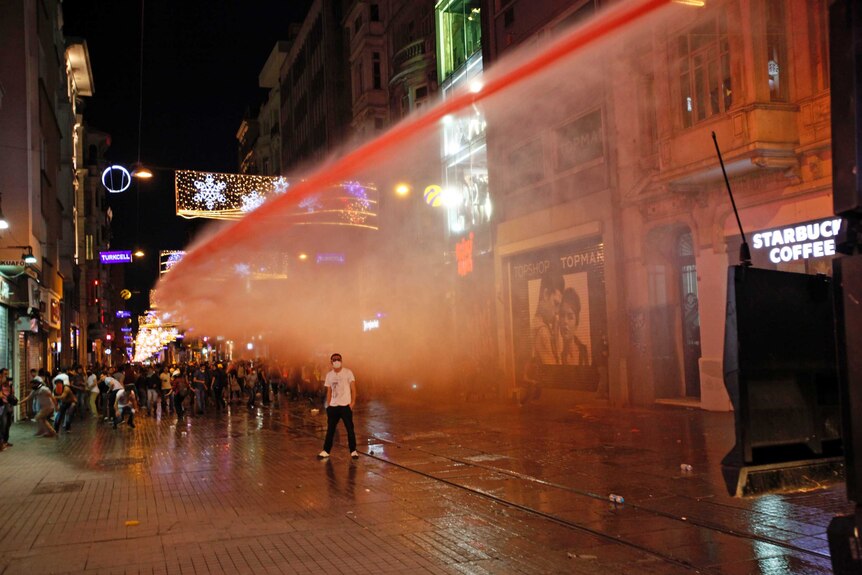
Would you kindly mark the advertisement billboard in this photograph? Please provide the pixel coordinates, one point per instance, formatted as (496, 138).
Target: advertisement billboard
(559, 316)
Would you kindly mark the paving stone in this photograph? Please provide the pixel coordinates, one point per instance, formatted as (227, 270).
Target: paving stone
(452, 488)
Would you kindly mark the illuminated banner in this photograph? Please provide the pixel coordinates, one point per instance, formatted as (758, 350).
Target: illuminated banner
(807, 240)
(117, 257)
(168, 259)
(230, 196)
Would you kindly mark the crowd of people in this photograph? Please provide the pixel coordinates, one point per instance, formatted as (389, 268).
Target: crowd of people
(119, 395)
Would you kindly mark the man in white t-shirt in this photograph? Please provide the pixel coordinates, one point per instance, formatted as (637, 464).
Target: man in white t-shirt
(340, 399)
(125, 404)
(93, 388)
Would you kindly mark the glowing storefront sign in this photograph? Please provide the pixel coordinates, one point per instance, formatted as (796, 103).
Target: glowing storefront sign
(799, 242)
(330, 258)
(368, 325)
(115, 257)
(124, 314)
(464, 255)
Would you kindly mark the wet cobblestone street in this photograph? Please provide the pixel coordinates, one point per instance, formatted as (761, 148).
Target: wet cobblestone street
(455, 488)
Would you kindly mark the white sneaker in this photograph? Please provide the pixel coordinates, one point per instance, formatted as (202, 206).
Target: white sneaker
(354, 455)
(322, 455)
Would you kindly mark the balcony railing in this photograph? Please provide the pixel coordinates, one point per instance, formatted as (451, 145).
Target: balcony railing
(409, 52)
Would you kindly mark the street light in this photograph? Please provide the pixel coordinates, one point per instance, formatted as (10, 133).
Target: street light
(141, 172)
(139, 253)
(402, 189)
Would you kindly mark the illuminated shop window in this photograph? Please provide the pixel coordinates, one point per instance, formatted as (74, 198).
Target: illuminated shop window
(459, 34)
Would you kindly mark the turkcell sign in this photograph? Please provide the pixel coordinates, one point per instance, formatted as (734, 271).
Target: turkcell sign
(117, 257)
(124, 313)
(799, 242)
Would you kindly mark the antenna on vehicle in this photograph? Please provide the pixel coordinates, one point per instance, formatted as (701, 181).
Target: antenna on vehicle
(744, 252)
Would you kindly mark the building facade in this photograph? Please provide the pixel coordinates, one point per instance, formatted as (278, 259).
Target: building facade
(47, 190)
(622, 194)
(315, 95)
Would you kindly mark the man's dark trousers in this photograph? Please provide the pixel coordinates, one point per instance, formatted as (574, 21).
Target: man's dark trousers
(333, 414)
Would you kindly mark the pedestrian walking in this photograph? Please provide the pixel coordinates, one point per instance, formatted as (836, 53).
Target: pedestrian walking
(92, 386)
(200, 385)
(153, 389)
(340, 398)
(251, 387)
(79, 388)
(218, 384)
(167, 391)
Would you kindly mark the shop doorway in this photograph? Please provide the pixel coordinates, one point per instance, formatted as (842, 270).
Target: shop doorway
(687, 274)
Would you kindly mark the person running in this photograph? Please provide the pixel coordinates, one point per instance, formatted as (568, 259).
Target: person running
(180, 392)
(65, 397)
(340, 398)
(45, 399)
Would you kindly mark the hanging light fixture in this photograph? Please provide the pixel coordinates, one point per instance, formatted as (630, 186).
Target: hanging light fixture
(138, 169)
(4, 223)
(28, 257)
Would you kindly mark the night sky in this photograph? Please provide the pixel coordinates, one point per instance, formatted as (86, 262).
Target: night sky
(201, 62)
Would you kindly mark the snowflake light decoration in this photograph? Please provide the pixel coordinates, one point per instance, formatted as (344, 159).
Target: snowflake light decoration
(311, 203)
(280, 185)
(252, 201)
(210, 192)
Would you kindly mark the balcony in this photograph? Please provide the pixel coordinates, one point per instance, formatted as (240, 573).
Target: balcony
(409, 52)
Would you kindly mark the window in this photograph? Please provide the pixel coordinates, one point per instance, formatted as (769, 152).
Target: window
(459, 34)
(358, 86)
(375, 13)
(357, 24)
(375, 71)
(703, 61)
(776, 50)
(818, 23)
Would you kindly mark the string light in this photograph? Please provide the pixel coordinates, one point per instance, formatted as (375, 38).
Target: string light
(153, 334)
(223, 196)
